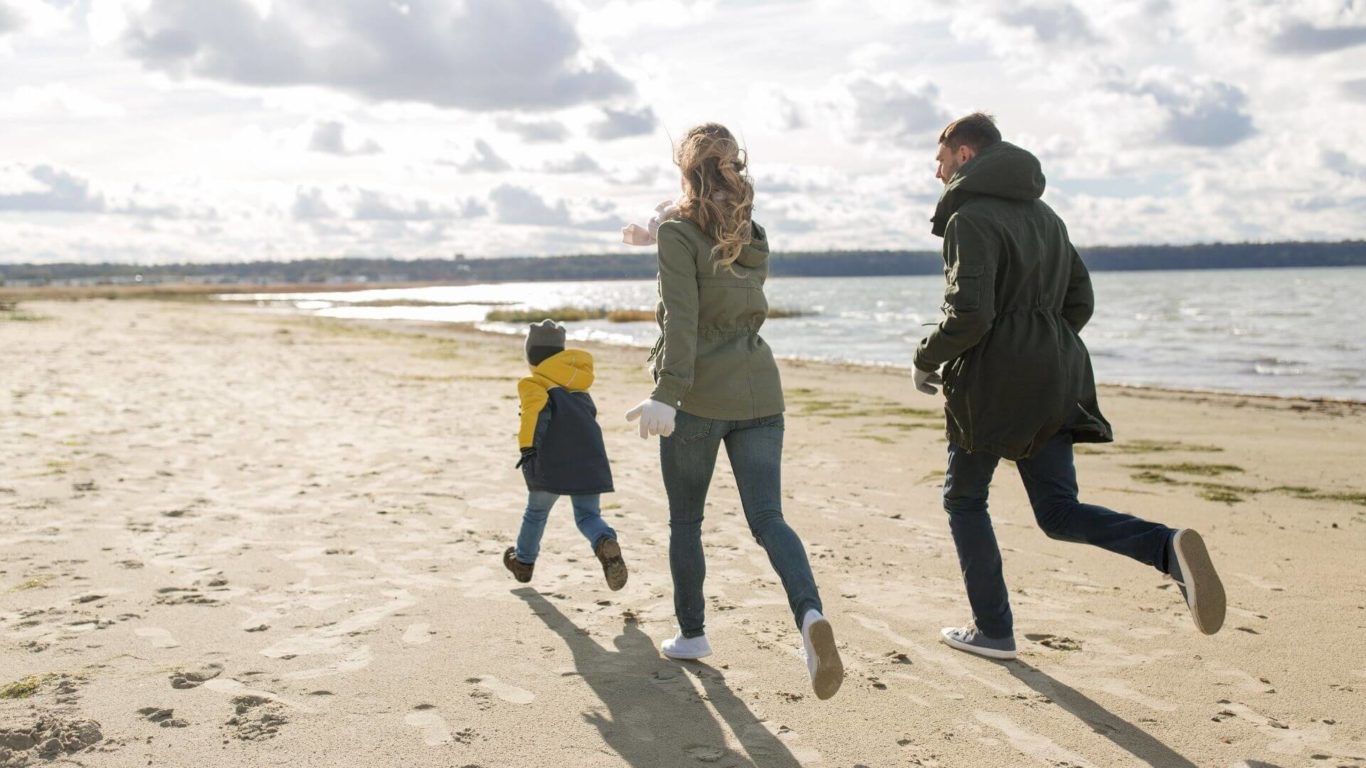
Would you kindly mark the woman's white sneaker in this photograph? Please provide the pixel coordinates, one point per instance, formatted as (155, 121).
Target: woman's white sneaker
(686, 648)
(822, 657)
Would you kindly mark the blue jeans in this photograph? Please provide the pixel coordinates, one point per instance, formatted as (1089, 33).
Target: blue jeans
(755, 448)
(1050, 479)
(587, 517)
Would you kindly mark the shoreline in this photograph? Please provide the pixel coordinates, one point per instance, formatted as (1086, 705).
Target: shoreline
(854, 366)
(208, 293)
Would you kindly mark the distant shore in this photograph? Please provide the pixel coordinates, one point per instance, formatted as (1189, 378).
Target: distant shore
(640, 263)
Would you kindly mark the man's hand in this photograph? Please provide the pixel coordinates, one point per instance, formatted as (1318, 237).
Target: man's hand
(926, 381)
(656, 418)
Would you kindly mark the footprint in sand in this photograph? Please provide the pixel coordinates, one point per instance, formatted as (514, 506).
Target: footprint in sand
(195, 677)
(1029, 742)
(435, 732)
(705, 754)
(1260, 583)
(509, 693)
(158, 637)
(417, 634)
(757, 739)
(1055, 642)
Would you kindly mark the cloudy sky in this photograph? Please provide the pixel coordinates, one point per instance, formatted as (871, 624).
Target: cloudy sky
(170, 130)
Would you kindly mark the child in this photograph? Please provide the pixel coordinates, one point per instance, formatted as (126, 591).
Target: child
(562, 452)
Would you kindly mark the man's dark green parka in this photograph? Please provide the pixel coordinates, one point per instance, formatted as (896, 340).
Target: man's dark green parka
(1015, 370)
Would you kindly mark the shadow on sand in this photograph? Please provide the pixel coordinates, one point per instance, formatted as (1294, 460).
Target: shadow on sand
(1124, 734)
(656, 715)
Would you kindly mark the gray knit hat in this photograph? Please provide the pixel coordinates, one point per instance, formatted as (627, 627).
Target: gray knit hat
(543, 339)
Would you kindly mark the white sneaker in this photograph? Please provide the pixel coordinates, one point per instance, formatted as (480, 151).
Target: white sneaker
(822, 657)
(681, 647)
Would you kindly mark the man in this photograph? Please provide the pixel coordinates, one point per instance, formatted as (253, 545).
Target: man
(1018, 384)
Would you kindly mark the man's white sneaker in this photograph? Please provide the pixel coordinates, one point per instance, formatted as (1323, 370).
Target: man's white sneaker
(680, 647)
(822, 657)
(1193, 571)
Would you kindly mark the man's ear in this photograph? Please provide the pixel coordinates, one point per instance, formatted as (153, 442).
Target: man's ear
(965, 153)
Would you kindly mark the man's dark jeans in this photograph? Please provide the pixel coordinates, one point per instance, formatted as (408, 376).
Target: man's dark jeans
(1050, 478)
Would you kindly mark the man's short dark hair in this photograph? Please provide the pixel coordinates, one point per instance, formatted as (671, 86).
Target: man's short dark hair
(978, 131)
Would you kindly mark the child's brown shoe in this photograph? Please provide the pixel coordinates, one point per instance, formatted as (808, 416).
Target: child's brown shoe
(613, 567)
(520, 570)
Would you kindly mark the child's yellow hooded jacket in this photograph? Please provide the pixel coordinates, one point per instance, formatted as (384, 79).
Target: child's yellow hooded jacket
(559, 422)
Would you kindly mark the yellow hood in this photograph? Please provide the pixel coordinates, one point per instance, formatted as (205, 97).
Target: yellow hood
(571, 369)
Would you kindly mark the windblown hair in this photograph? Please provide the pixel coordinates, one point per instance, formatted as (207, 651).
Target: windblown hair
(978, 130)
(718, 195)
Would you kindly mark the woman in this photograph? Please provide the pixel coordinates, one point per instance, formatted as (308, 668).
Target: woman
(716, 382)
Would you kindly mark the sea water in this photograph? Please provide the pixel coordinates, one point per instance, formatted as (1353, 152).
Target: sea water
(1274, 331)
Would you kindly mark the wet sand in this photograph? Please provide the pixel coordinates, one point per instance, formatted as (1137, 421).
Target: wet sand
(234, 537)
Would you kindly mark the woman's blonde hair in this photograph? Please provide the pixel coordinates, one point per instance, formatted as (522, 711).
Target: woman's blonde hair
(717, 193)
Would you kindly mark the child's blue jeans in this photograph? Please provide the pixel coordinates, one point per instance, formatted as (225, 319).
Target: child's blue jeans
(587, 516)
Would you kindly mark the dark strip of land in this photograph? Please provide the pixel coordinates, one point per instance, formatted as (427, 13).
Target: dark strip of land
(640, 264)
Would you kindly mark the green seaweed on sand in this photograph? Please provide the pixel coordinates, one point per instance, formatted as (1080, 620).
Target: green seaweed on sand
(1147, 446)
(10, 312)
(35, 582)
(23, 688)
(1189, 468)
(1220, 494)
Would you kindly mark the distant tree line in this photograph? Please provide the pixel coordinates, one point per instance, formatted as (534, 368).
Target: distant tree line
(641, 265)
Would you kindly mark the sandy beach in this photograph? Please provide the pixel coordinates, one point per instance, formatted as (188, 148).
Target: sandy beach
(233, 537)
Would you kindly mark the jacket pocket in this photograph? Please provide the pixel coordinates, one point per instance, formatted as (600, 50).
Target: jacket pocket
(965, 287)
(955, 398)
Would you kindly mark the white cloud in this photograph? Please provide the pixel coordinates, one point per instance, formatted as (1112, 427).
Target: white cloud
(1155, 119)
(534, 131)
(310, 204)
(327, 208)
(57, 100)
(1303, 39)
(28, 16)
(520, 206)
(904, 112)
(45, 189)
(624, 124)
(10, 20)
(1197, 111)
(579, 163)
(777, 111)
(331, 137)
(1342, 163)
(372, 205)
(483, 160)
(475, 55)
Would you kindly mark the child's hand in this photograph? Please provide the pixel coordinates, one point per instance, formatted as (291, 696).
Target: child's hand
(528, 461)
(656, 418)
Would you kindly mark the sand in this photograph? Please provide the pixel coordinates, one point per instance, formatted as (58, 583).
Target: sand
(235, 537)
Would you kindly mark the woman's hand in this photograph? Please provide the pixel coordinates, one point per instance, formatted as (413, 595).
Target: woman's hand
(656, 418)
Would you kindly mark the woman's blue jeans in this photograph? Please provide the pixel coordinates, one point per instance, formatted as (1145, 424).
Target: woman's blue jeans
(755, 448)
(587, 516)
